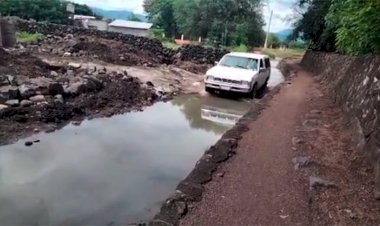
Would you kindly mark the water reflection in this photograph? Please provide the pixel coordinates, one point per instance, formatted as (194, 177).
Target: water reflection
(108, 171)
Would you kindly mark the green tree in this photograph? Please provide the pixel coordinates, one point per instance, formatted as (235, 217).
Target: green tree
(356, 24)
(161, 13)
(41, 10)
(311, 25)
(134, 17)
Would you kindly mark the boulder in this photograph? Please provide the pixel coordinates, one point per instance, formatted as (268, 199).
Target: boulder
(75, 65)
(67, 54)
(53, 73)
(76, 88)
(55, 89)
(93, 84)
(14, 93)
(2, 106)
(26, 103)
(27, 91)
(59, 98)
(13, 103)
(38, 99)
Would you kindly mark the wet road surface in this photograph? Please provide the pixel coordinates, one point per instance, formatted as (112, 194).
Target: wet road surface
(110, 171)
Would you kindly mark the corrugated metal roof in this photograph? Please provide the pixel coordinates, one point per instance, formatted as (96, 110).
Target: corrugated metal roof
(83, 17)
(131, 24)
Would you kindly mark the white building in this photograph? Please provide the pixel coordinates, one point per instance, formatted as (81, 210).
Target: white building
(91, 22)
(130, 27)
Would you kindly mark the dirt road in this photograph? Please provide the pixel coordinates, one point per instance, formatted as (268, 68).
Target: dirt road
(295, 166)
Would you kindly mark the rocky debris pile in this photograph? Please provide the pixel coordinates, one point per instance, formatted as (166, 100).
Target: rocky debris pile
(150, 47)
(69, 91)
(199, 54)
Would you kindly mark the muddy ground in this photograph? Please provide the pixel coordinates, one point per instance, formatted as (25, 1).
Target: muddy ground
(46, 84)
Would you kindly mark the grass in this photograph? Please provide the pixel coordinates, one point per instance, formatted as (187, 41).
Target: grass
(283, 53)
(28, 37)
(171, 45)
(241, 48)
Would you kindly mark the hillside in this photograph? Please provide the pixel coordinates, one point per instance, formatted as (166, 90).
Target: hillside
(282, 35)
(117, 14)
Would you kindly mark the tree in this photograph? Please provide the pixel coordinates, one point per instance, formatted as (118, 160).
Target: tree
(161, 13)
(312, 24)
(134, 17)
(356, 25)
(53, 11)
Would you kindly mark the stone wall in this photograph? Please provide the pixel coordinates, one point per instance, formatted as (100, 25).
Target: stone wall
(193, 53)
(354, 83)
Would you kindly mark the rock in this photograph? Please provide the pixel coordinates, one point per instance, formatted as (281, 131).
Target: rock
(13, 103)
(315, 112)
(302, 161)
(70, 73)
(26, 103)
(36, 130)
(28, 143)
(53, 73)
(319, 182)
(14, 93)
(93, 84)
(36, 141)
(149, 84)
(76, 88)
(76, 123)
(38, 98)
(67, 54)
(59, 98)
(297, 141)
(2, 106)
(55, 89)
(27, 91)
(311, 122)
(75, 65)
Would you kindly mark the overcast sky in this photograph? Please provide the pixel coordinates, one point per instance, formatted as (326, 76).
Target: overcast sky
(281, 8)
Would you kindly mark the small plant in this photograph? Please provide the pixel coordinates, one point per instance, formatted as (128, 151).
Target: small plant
(28, 37)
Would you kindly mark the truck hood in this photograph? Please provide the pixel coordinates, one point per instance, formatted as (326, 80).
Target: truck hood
(231, 73)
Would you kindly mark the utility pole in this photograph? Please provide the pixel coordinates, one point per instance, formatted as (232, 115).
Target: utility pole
(267, 36)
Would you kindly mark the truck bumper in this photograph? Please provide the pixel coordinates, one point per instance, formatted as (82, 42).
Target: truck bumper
(232, 88)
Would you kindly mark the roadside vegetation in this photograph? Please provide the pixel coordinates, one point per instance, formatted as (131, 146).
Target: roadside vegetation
(283, 52)
(53, 11)
(28, 37)
(344, 26)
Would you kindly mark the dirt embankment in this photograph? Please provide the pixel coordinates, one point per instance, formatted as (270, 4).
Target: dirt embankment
(37, 95)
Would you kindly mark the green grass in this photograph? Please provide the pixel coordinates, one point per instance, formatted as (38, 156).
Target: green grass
(27, 37)
(241, 48)
(283, 53)
(171, 45)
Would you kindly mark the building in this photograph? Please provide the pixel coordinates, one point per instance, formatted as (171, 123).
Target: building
(130, 27)
(91, 22)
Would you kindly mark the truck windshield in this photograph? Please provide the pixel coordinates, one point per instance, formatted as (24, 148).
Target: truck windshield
(239, 62)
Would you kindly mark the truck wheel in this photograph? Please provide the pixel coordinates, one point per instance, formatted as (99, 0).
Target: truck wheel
(253, 92)
(209, 90)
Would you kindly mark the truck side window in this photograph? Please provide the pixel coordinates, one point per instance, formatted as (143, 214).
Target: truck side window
(261, 64)
(267, 63)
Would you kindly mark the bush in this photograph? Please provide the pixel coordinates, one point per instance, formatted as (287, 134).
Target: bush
(240, 48)
(28, 37)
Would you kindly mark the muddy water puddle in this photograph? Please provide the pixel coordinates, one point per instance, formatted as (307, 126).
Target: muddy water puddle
(110, 171)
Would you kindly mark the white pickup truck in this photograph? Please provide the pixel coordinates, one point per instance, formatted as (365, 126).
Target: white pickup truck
(239, 72)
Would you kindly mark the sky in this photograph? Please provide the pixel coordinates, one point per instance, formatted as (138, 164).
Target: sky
(281, 9)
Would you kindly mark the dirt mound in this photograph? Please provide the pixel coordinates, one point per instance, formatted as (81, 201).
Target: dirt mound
(200, 55)
(23, 64)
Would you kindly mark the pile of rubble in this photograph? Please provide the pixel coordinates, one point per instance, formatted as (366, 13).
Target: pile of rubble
(200, 55)
(150, 47)
(63, 92)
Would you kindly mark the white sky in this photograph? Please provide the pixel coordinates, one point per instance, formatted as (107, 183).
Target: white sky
(281, 9)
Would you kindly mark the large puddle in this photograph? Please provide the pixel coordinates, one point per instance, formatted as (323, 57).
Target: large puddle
(110, 171)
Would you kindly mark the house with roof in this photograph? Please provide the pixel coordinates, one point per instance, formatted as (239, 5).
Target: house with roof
(130, 27)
